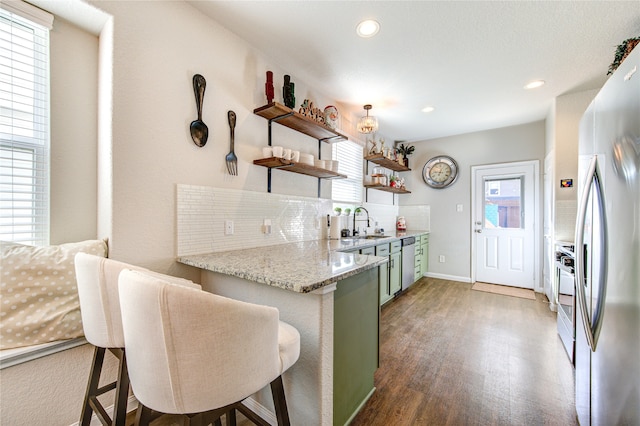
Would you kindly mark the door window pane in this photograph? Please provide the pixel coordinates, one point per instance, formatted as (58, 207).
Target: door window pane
(503, 203)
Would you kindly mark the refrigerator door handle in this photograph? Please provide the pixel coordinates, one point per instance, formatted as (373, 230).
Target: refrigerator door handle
(592, 323)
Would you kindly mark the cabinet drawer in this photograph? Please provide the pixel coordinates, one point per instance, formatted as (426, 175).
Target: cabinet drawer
(396, 246)
(368, 250)
(382, 250)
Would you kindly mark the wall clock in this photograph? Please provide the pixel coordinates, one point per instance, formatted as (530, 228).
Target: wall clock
(440, 171)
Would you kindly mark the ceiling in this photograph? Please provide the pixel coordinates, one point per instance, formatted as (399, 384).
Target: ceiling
(468, 59)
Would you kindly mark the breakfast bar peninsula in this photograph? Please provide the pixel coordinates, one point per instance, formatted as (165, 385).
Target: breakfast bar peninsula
(332, 298)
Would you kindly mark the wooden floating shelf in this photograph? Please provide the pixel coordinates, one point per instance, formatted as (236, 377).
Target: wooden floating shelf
(301, 168)
(381, 160)
(386, 188)
(294, 120)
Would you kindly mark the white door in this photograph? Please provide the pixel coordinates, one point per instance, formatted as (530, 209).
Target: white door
(504, 210)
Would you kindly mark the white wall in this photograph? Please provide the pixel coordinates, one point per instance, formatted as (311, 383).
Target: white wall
(74, 127)
(145, 58)
(157, 47)
(450, 230)
(50, 390)
(568, 112)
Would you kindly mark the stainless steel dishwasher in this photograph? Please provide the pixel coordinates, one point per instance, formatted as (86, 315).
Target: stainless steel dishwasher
(408, 261)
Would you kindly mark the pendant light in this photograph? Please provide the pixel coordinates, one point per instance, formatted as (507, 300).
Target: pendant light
(368, 123)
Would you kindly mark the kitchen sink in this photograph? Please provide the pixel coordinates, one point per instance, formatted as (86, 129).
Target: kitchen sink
(365, 237)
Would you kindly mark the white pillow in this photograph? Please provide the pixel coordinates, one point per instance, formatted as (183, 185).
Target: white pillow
(38, 292)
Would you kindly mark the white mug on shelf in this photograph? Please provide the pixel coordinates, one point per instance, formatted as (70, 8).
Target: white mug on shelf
(295, 156)
(267, 152)
(306, 159)
(277, 151)
(286, 153)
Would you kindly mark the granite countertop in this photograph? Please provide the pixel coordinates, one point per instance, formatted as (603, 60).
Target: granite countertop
(301, 267)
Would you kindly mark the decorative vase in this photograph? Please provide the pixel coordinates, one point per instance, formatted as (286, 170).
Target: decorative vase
(406, 161)
(268, 87)
(288, 92)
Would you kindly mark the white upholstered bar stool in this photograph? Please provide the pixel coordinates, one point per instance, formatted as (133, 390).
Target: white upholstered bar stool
(191, 351)
(97, 279)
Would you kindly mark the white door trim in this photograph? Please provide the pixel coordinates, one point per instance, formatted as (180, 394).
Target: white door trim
(537, 223)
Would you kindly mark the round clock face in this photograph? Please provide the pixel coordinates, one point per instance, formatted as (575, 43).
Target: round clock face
(440, 172)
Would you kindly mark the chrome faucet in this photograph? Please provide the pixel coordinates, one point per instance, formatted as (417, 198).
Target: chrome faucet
(355, 232)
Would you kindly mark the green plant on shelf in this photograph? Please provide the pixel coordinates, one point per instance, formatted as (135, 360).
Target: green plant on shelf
(622, 51)
(405, 150)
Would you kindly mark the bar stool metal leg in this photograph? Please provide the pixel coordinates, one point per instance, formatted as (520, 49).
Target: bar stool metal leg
(280, 402)
(91, 403)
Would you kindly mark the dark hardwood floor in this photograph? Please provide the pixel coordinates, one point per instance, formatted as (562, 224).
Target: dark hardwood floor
(453, 356)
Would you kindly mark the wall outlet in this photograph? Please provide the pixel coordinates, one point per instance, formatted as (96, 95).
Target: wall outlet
(459, 208)
(228, 227)
(441, 258)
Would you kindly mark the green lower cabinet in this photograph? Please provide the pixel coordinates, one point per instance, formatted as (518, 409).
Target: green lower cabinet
(368, 250)
(421, 256)
(395, 269)
(383, 250)
(417, 271)
(355, 344)
(424, 254)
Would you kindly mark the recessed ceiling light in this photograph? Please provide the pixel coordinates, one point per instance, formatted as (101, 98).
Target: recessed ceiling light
(534, 84)
(368, 28)
(428, 109)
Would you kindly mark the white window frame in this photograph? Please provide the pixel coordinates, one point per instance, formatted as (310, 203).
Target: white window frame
(24, 123)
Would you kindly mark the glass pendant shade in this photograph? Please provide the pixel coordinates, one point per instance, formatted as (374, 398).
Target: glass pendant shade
(368, 123)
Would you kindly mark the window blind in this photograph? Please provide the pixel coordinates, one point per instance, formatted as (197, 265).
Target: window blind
(349, 156)
(24, 124)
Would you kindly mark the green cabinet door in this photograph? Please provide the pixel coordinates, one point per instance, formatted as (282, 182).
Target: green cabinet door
(355, 343)
(424, 253)
(417, 270)
(382, 250)
(395, 267)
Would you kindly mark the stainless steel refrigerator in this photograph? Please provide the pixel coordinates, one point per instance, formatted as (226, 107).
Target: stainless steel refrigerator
(607, 250)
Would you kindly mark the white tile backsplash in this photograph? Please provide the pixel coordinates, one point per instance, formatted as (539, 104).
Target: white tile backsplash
(203, 210)
(417, 217)
(565, 220)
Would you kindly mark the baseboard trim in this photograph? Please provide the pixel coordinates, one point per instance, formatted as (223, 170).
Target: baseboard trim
(261, 410)
(357, 410)
(448, 277)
